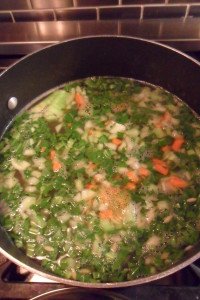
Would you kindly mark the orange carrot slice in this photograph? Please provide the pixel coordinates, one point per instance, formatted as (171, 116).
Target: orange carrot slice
(177, 143)
(130, 186)
(143, 172)
(177, 182)
(56, 165)
(52, 154)
(132, 176)
(106, 214)
(91, 166)
(90, 185)
(165, 118)
(80, 101)
(116, 142)
(42, 149)
(160, 166)
(90, 132)
(166, 148)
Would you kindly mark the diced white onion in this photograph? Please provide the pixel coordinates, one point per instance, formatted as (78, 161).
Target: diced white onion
(152, 188)
(39, 163)
(100, 146)
(103, 206)
(188, 248)
(111, 146)
(30, 189)
(122, 170)
(78, 197)
(175, 133)
(87, 194)
(144, 132)
(133, 163)
(106, 183)
(171, 156)
(160, 107)
(85, 271)
(64, 217)
(148, 260)
(165, 255)
(103, 118)
(29, 152)
(73, 223)
(10, 182)
(99, 177)
(116, 238)
(31, 142)
(20, 165)
(113, 249)
(36, 174)
(79, 185)
(191, 200)
(58, 127)
(142, 104)
(175, 121)
(129, 144)
(153, 242)
(165, 187)
(162, 205)
(79, 165)
(118, 128)
(167, 219)
(88, 125)
(122, 146)
(24, 208)
(134, 132)
(90, 172)
(32, 181)
(79, 130)
(150, 215)
(48, 248)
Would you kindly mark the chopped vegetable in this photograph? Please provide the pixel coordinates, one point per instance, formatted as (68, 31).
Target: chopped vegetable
(99, 181)
(106, 214)
(56, 165)
(130, 186)
(143, 172)
(160, 166)
(177, 182)
(80, 101)
(116, 142)
(132, 176)
(52, 154)
(177, 143)
(166, 148)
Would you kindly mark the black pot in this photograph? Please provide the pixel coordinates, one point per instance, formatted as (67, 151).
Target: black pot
(97, 56)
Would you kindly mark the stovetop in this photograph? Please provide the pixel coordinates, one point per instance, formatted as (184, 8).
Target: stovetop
(17, 283)
(18, 40)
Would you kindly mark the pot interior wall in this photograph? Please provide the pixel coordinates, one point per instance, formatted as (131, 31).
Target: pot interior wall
(111, 56)
(100, 56)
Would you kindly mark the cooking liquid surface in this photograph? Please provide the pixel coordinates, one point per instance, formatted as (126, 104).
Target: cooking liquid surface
(100, 180)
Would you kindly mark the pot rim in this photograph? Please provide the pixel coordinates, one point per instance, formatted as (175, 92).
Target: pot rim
(142, 280)
(107, 285)
(99, 37)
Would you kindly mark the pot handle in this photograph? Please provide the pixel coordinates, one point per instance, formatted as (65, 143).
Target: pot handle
(196, 269)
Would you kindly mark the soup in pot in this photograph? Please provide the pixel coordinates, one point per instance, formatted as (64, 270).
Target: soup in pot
(100, 180)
